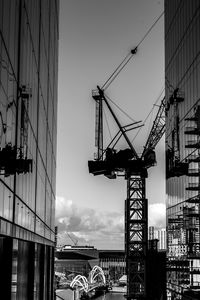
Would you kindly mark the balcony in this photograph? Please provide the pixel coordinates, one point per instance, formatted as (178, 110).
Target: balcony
(175, 220)
(194, 172)
(194, 255)
(193, 187)
(194, 158)
(193, 214)
(192, 130)
(193, 144)
(195, 199)
(193, 118)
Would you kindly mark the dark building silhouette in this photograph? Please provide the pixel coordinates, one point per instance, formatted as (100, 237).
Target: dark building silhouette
(28, 121)
(182, 73)
(156, 272)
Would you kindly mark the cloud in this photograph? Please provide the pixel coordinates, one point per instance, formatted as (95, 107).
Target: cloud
(157, 215)
(63, 206)
(87, 226)
(104, 230)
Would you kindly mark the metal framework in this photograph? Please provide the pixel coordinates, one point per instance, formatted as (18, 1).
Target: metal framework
(136, 237)
(157, 130)
(98, 125)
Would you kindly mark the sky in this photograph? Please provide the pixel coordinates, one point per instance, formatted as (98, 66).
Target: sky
(95, 36)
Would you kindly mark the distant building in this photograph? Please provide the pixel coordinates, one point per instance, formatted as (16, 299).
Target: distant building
(160, 235)
(75, 260)
(28, 123)
(182, 86)
(151, 232)
(112, 263)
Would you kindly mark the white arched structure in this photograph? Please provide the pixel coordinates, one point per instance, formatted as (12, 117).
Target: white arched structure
(96, 273)
(81, 282)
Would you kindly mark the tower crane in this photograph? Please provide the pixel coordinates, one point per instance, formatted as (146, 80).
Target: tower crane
(74, 241)
(128, 163)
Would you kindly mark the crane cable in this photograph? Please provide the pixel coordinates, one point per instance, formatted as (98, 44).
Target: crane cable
(120, 109)
(107, 124)
(128, 57)
(115, 73)
(163, 89)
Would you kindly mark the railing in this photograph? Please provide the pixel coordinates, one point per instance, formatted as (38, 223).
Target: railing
(193, 185)
(94, 286)
(195, 270)
(193, 156)
(194, 171)
(59, 297)
(193, 142)
(190, 128)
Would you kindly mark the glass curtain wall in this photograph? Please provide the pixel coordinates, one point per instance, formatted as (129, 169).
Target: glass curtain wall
(182, 75)
(28, 124)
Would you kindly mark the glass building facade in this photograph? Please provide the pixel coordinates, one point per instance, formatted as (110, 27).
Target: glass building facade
(182, 83)
(28, 120)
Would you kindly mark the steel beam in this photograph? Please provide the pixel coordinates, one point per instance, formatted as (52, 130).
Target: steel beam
(136, 237)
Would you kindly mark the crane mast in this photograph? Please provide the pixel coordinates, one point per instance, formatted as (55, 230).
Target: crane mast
(99, 126)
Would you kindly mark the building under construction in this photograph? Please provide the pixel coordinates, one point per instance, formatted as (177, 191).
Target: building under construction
(182, 73)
